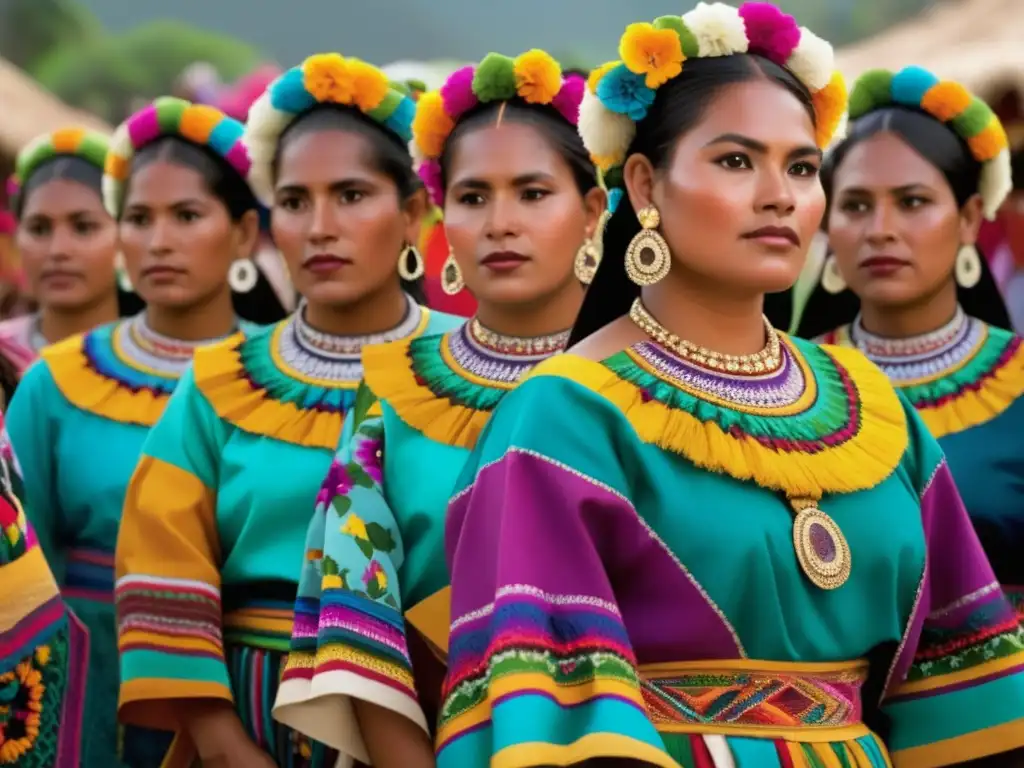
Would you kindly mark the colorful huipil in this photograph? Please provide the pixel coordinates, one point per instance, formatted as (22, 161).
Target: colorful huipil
(44, 649)
(214, 525)
(21, 340)
(376, 543)
(655, 560)
(966, 380)
(77, 423)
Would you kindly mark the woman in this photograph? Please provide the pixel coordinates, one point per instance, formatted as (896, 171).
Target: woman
(175, 181)
(213, 526)
(691, 540)
(43, 647)
(521, 205)
(67, 242)
(906, 285)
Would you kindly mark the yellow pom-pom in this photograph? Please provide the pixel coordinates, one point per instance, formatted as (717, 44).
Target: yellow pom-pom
(538, 77)
(369, 85)
(327, 78)
(990, 142)
(656, 53)
(431, 125)
(604, 162)
(945, 100)
(829, 106)
(596, 74)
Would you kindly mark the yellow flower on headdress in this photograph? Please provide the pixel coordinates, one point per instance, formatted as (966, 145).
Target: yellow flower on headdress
(538, 77)
(596, 74)
(656, 53)
(431, 126)
(829, 106)
(369, 85)
(945, 100)
(327, 78)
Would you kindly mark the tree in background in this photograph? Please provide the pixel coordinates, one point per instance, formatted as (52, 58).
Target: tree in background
(30, 29)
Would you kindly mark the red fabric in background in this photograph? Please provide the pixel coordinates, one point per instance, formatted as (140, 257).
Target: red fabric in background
(434, 248)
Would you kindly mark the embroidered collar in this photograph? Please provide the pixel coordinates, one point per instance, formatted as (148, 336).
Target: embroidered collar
(445, 386)
(824, 422)
(958, 377)
(123, 371)
(298, 382)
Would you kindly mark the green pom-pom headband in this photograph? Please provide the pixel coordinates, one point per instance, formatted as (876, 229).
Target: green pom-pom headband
(66, 142)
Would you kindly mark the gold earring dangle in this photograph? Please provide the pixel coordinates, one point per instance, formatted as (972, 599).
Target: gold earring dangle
(831, 278)
(648, 258)
(418, 267)
(968, 266)
(451, 276)
(588, 258)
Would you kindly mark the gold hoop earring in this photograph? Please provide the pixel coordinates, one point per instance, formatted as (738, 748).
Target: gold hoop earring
(648, 258)
(418, 267)
(124, 282)
(588, 259)
(831, 278)
(968, 266)
(451, 276)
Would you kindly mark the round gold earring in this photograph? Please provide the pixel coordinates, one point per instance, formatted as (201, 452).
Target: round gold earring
(831, 278)
(648, 258)
(968, 266)
(451, 276)
(588, 258)
(418, 267)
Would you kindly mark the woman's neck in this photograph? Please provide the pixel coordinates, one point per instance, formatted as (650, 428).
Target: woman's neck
(380, 311)
(546, 315)
(916, 319)
(56, 324)
(700, 313)
(209, 319)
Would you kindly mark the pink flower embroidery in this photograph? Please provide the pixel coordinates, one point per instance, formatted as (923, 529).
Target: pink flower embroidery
(368, 456)
(374, 571)
(337, 483)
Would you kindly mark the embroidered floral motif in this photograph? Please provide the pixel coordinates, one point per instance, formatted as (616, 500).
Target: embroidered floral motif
(30, 704)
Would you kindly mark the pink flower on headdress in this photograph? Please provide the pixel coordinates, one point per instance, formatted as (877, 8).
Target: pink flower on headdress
(771, 33)
(568, 99)
(457, 92)
(430, 174)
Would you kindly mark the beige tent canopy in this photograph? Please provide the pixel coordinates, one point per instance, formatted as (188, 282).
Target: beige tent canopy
(27, 110)
(977, 42)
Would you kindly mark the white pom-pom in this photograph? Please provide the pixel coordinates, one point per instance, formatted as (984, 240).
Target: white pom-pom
(112, 195)
(261, 155)
(265, 120)
(604, 133)
(812, 61)
(995, 184)
(417, 154)
(121, 143)
(719, 29)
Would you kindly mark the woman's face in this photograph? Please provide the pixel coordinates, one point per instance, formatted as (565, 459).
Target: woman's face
(894, 224)
(740, 199)
(338, 219)
(514, 216)
(178, 239)
(67, 243)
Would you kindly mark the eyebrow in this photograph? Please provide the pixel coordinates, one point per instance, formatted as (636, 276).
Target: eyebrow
(760, 147)
(340, 184)
(900, 190)
(519, 181)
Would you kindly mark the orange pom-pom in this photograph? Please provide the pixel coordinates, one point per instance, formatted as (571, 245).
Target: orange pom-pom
(369, 85)
(945, 100)
(326, 77)
(116, 167)
(829, 105)
(431, 125)
(538, 77)
(990, 142)
(66, 140)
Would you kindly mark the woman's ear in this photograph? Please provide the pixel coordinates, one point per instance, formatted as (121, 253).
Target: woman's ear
(638, 175)
(247, 235)
(971, 218)
(414, 209)
(594, 204)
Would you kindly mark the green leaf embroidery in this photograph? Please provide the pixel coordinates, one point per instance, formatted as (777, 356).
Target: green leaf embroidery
(329, 566)
(358, 475)
(390, 600)
(342, 504)
(364, 399)
(374, 590)
(373, 430)
(380, 537)
(344, 578)
(364, 546)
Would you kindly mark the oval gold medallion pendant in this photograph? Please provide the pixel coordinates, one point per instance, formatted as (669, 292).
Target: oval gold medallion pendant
(821, 548)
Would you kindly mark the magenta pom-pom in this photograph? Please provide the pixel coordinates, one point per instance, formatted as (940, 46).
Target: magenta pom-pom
(238, 157)
(430, 174)
(457, 92)
(144, 126)
(567, 100)
(12, 186)
(770, 32)
(7, 223)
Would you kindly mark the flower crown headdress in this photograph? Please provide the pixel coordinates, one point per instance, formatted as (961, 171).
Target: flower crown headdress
(620, 93)
(168, 116)
(90, 146)
(325, 78)
(952, 104)
(534, 76)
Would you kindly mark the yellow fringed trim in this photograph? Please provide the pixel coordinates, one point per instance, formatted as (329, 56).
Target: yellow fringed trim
(863, 461)
(91, 391)
(220, 376)
(973, 407)
(388, 372)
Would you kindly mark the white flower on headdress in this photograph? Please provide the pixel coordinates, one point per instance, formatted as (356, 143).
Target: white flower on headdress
(604, 133)
(265, 120)
(995, 183)
(719, 29)
(812, 61)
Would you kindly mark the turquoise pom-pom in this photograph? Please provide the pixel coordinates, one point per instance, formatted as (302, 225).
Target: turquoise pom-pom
(224, 136)
(400, 120)
(625, 92)
(909, 86)
(288, 94)
(614, 198)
